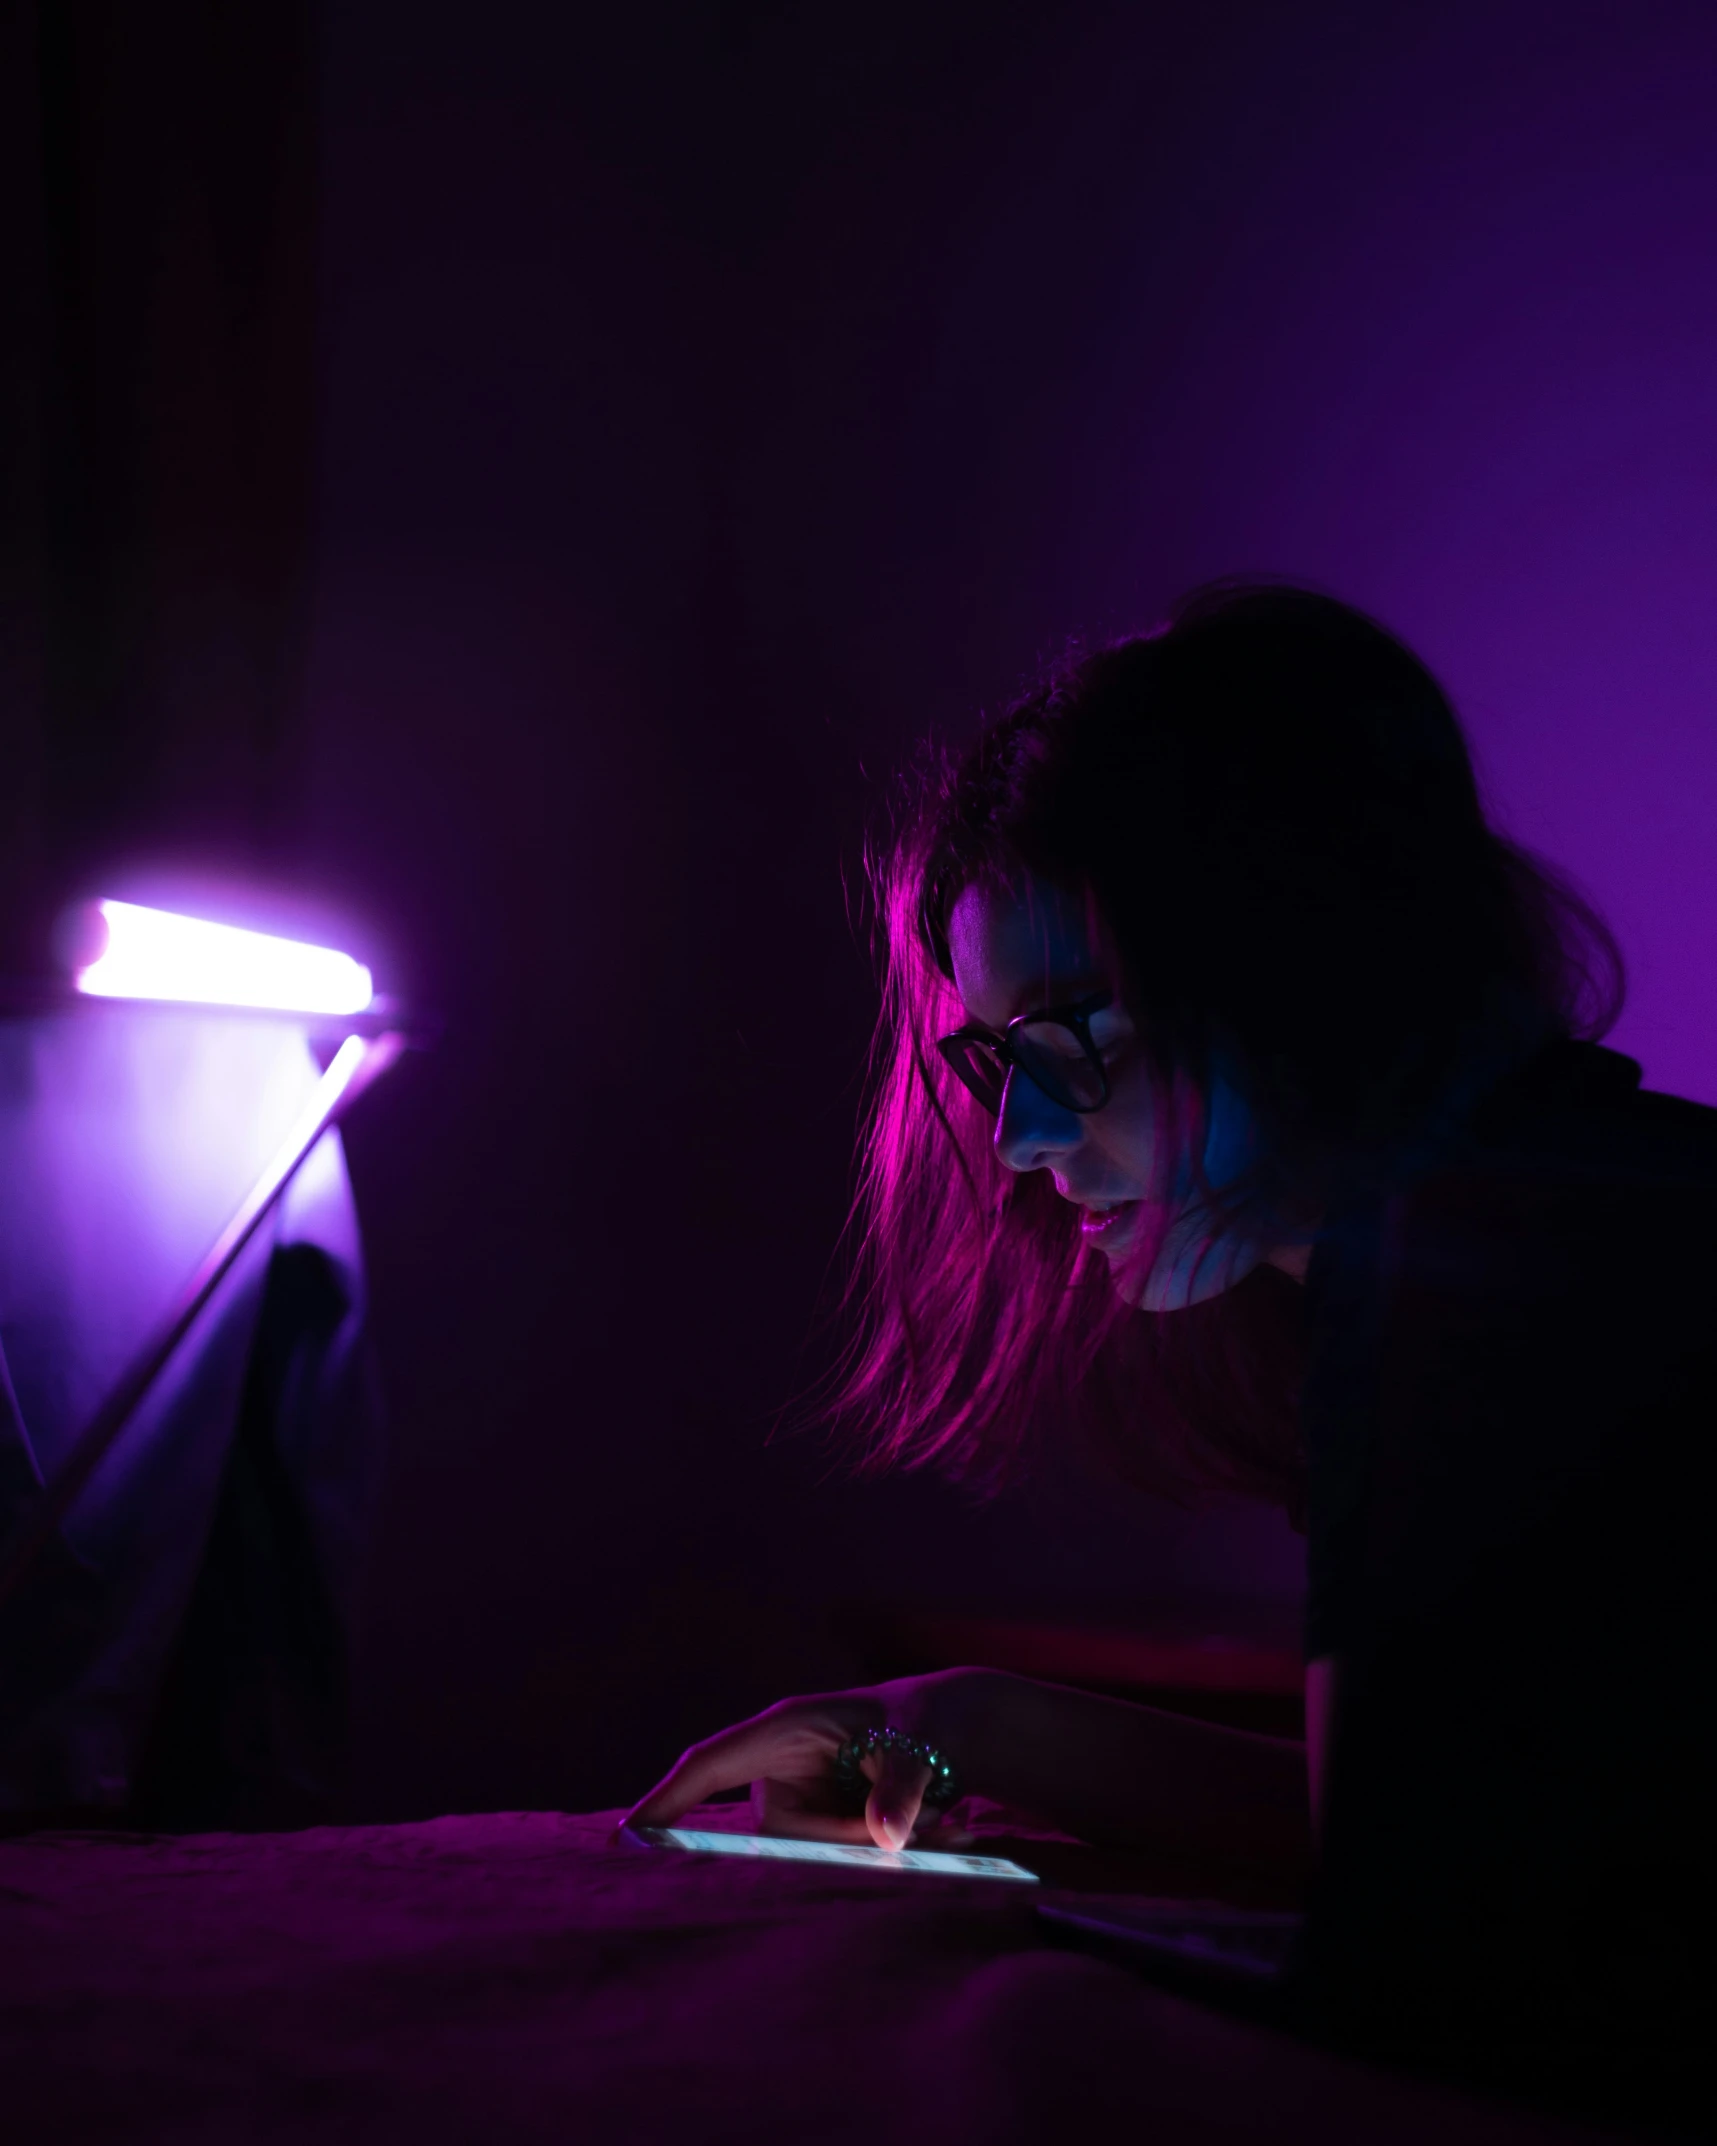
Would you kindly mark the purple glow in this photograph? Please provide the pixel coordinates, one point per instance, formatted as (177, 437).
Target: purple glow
(150, 954)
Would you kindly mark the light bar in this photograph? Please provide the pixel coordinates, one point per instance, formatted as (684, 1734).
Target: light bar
(151, 954)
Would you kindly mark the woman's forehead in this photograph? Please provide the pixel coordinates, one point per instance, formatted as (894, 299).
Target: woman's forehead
(1019, 946)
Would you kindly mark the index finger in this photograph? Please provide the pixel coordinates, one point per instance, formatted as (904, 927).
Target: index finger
(895, 1800)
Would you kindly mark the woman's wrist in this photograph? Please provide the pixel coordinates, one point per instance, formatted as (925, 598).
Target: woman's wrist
(1116, 1773)
(957, 1711)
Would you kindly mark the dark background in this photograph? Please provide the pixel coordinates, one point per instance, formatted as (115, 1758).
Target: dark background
(504, 488)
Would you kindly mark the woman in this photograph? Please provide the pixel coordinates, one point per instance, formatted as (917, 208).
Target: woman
(1238, 1104)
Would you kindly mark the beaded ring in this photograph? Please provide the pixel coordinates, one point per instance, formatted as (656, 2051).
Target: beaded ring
(944, 1787)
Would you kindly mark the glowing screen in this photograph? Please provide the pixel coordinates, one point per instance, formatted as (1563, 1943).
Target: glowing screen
(819, 1851)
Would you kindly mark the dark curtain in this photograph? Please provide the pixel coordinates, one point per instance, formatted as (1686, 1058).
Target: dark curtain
(157, 194)
(157, 275)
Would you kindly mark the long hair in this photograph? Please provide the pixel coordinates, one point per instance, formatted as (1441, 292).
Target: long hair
(1270, 812)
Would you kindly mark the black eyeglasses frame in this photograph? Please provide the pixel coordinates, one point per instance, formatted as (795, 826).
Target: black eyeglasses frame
(1075, 1017)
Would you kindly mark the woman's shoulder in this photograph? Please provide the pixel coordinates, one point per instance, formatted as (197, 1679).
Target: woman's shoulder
(1517, 1341)
(1568, 1149)
(1571, 1195)
(1581, 1109)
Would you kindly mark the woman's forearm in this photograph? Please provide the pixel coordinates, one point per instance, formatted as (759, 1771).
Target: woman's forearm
(1120, 1775)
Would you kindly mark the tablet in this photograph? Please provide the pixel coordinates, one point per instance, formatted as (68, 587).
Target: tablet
(930, 1861)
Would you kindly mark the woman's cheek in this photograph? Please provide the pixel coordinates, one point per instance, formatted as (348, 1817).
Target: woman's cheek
(1125, 1131)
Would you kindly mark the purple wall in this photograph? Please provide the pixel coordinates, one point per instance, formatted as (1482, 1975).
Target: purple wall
(708, 412)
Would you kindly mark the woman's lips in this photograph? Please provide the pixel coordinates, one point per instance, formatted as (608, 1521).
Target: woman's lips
(1106, 1227)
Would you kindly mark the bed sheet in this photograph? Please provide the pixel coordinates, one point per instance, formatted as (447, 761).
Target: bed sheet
(514, 1978)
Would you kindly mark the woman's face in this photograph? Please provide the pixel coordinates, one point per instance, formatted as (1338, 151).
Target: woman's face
(1017, 951)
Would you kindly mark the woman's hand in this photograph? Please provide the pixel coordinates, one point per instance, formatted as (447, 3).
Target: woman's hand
(787, 1755)
(1113, 1774)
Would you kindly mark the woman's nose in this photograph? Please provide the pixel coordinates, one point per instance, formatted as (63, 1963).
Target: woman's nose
(1031, 1128)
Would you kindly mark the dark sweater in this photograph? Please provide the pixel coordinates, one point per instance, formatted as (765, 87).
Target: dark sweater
(1511, 1427)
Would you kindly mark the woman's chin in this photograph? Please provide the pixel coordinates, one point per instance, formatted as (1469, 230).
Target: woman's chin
(1190, 1268)
(1132, 1245)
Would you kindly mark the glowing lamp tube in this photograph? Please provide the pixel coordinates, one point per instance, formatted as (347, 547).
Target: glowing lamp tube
(151, 954)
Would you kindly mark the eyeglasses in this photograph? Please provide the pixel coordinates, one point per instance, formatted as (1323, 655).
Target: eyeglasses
(1053, 1049)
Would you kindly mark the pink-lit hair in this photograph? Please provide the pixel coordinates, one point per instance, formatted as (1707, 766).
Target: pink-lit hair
(1270, 813)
